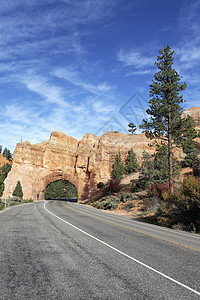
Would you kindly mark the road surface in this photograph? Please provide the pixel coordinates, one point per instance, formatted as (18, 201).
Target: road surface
(61, 250)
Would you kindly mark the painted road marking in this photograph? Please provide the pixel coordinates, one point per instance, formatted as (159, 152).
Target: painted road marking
(124, 254)
(141, 232)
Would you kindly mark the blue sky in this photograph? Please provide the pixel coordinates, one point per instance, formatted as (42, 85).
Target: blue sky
(86, 66)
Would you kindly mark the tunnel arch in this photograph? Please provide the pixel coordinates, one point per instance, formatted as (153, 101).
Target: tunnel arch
(61, 190)
(40, 185)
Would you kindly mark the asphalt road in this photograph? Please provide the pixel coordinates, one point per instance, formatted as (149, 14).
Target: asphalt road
(62, 250)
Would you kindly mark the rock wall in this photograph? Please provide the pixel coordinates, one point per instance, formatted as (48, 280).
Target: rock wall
(84, 163)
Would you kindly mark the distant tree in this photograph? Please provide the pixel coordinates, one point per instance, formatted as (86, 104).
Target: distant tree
(18, 190)
(165, 110)
(131, 163)
(7, 154)
(118, 169)
(5, 170)
(0, 149)
(132, 127)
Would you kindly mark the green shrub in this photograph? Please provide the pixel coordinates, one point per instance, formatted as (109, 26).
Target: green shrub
(107, 203)
(184, 204)
(28, 200)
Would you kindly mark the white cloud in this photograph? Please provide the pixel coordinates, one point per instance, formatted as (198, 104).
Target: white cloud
(139, 72)
(71, 75)
(17, 113)
(135, 58)
(39, 85)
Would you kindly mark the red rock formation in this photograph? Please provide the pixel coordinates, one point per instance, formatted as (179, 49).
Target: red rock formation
(83, 163)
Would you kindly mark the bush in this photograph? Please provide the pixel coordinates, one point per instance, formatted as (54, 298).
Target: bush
(158, 189)
(28, 200)
(2, 206)
(112, 186)
(185, 203)
(141, 185)
(107, 203)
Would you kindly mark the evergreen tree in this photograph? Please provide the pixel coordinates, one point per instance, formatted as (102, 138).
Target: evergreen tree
(160, 163)
(188, 144)
(131, 163)
(5, 170)
(18, 190)
(146, 177)
(3, 174)
(154, 167)
(0, 149)
(132, 127)
(118, 169)
(7, 154)
(165, 109)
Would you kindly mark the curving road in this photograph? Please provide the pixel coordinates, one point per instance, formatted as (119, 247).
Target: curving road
(62, 250)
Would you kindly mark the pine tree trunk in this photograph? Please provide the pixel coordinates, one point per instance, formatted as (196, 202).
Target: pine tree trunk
(170, 157)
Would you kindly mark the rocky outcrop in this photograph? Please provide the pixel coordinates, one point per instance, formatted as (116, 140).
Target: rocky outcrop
(84, 163)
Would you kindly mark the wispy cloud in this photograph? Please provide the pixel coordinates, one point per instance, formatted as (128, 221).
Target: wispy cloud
(49, 92)
(71, 75)
(135, 58)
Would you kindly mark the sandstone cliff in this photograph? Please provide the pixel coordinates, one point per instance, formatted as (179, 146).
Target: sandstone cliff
(84, 163)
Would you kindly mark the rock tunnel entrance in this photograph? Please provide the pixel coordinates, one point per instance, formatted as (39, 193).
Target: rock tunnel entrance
(61, 189)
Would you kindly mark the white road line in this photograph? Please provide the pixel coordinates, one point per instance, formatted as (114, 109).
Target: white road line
(126, 255)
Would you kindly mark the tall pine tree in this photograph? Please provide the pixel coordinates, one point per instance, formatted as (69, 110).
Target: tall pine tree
(165, 110)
